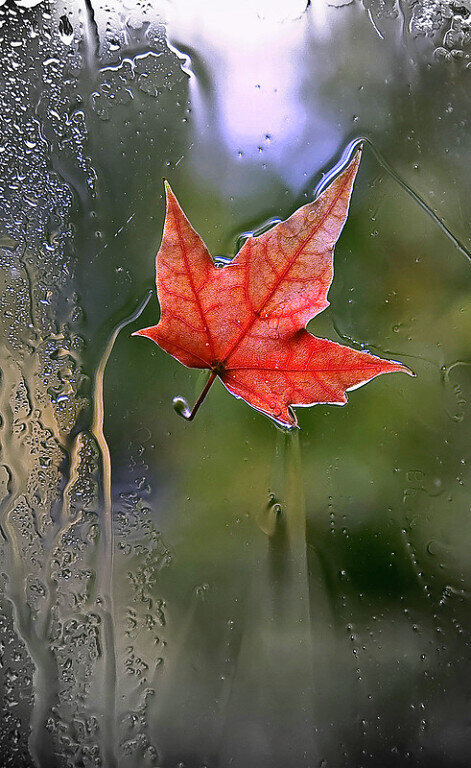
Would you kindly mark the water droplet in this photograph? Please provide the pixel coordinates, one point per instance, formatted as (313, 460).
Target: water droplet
(181, 407)
(66, 30)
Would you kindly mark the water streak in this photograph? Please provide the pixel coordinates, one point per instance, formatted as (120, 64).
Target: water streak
(32, 634)
(277, 725)
(345, 159)
(105, 577)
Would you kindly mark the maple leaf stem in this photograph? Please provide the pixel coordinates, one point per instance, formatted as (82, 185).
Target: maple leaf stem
(205, 391)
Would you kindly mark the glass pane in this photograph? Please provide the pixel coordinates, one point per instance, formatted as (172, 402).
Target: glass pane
(219, 592)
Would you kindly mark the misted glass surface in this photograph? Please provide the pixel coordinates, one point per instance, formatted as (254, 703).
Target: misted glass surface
(218, 593)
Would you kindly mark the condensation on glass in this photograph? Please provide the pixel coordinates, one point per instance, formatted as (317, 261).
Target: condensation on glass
(218, 593)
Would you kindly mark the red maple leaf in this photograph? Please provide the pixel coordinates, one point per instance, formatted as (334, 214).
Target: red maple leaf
(246, 321)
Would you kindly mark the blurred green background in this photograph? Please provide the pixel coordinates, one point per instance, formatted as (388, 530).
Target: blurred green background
(276, 600)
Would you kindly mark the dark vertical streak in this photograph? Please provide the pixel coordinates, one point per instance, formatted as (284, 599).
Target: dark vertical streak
(92, 30)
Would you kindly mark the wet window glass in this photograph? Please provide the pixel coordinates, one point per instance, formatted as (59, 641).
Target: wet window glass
(221, 592)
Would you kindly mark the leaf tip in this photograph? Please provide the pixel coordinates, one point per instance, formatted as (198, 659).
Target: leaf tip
(144, 332)
(356, 158)
(287, 423)
(171, 200)
(293, 418)
(401, 368)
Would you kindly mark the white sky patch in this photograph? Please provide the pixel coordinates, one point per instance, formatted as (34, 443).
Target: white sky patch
(255, 47)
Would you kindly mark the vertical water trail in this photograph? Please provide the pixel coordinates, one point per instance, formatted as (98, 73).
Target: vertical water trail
(92, 35)
(287, 534)
(269, 709)
(22, 518)
(105, 575)
(291, 602)
(45, 672)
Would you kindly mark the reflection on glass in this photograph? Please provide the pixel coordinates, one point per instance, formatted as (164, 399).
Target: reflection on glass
(217, 593)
